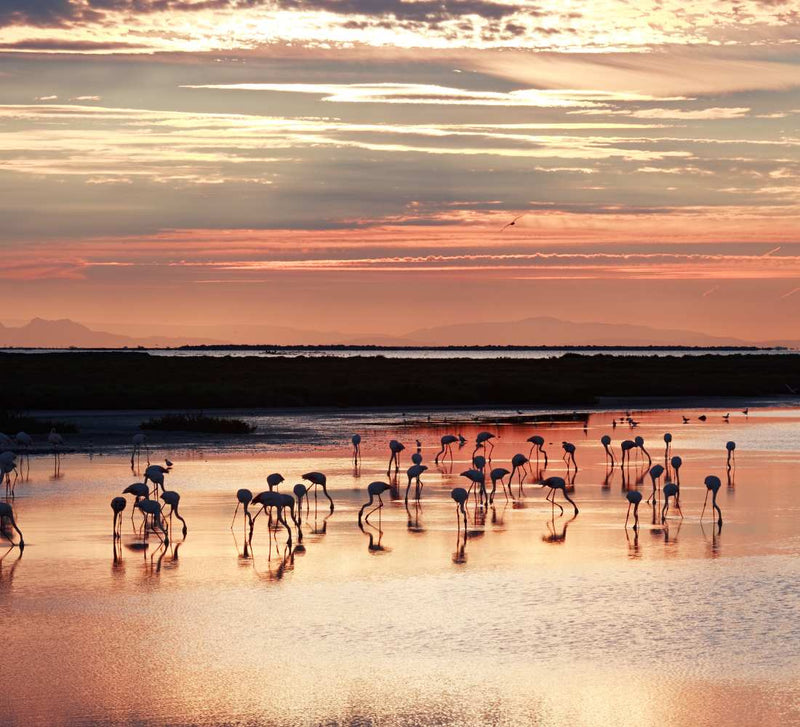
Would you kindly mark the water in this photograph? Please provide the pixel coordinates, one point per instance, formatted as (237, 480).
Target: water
(422, 353)
(538, 619)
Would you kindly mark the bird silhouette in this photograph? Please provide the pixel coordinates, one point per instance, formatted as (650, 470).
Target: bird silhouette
(448, 440)
(513, 222)
(712, 483)
(414, 473)
(395, 448)
(460, 496)
(558, 483)
(172, 498)
(243, 497)
(482, 440)
(374, 489)
(605, 440)
(118, 504)
(7, 516)
(731, 447)
(634, 497)
(537, 443)
(317, 479)
(670, 489)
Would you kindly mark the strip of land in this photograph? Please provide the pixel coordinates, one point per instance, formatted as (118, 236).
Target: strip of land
(138, 381)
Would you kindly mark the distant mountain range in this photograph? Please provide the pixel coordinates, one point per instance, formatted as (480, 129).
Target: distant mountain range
(538, 331)
(63, 333)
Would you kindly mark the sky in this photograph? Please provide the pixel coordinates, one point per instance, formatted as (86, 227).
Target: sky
(353, 165)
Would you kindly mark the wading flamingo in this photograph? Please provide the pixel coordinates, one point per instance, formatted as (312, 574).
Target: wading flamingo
(670, 490)
(414, 473)
(639, 441)
(558, 483)
(151, 507)
(273, 480)
(118, 504)
(317, 479)
(498, 473)
(477, 478)
(460, 496)
(356, 440)
(626, 446)
(605, 440)
(655, 472)
(138, 441)
(483, 440)
(155, 473)
(375, 489)
(537, 443)
(7, 514)
(243, 497)
(280, 501)
(569, 454)
(172, 498)
(518, 462)
(713, 484)
(731, 447)
(395, 448)
(448, 440)
(634, 497)
(667, 445)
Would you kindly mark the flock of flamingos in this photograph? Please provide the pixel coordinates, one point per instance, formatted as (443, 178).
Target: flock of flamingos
(158, 505)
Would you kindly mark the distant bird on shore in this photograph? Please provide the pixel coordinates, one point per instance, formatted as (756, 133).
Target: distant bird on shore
(726, 417)
(702, 417)
(7, 515)
(746, 411)
(374, 489)
(685, 420)
(317, 479)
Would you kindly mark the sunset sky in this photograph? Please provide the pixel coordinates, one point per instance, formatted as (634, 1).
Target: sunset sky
(348, 165)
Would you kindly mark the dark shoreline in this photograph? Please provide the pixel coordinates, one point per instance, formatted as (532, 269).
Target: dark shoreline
(129, 380)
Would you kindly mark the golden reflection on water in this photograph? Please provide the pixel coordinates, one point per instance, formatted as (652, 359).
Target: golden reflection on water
(531, 618)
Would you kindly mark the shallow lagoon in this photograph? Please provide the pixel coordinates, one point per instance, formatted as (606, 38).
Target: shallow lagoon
(541, 619)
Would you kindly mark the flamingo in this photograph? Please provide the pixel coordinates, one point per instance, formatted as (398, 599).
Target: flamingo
(300, 491)
(634, 498)
(24, 442)
(138, 441)
(558, 483)
(479, 462)
(140, 491)
(172, 498)
(151, 507)
(626, 446)
(243, 497)
(395, 448)
(476, 477)
(416, 458)
(7, 466)
(375, 489)
(482, 440)
(317, 479)
(448, 440)
(7, 513)
(498, 473)
(356, 440)
(655, 472)
(731, 447)
(537, 443)
(713, 484)
(274, 480)
(280, 501)
(605, 440)
(670, 490)
(569, 453)
(460, 495)
(676, 463)
(639, 442)
(415, 472)
(118, 504)
(518, 462)
(667, 444)
(155, 473)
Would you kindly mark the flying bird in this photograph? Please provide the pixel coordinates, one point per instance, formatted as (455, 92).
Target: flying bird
(513, 222)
